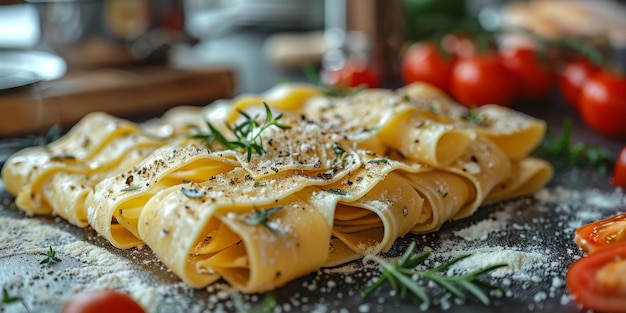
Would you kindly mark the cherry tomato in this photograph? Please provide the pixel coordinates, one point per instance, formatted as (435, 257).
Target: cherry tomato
(424, 62)
(601, 233)
(598, 281)
(603, 104)
(482, 79)
(534, 77)
(458, 45)
(571, 80)
(101, 301)
(354, 73)
(619, 172)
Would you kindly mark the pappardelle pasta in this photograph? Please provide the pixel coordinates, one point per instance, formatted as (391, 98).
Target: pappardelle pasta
(263, 189)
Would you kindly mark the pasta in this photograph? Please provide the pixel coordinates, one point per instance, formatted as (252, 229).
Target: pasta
(238, 192)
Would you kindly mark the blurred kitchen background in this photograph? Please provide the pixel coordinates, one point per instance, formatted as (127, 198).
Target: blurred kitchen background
(62, 58)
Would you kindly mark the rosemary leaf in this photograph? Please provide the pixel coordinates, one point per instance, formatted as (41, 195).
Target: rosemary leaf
(261, 217)
(341, 192)
(130, 189)
(192, 193)
(378, 161)
(401, 272)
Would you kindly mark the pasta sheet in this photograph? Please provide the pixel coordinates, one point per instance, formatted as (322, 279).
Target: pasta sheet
(218, 194)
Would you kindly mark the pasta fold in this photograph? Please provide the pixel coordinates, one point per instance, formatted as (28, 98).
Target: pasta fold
(262, 189)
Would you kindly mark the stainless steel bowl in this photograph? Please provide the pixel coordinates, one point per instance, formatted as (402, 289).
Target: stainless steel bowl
(96, 33)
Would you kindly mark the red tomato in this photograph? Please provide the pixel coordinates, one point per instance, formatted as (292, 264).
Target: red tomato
(482, 79)
(572, 78)
(535, 78)
(619, 172)
(601, 233)
(603, 104)
(102, 301)
(424, 62)
(597, 281)
(458, 45)
(354, 73)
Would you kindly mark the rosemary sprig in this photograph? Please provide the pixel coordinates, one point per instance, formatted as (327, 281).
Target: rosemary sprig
(400, 275)
(266, 306)
(575, 155)
(247, 133)
(50, 256)
(261, 217)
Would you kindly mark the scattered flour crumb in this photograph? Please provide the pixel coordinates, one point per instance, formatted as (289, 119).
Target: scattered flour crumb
(479, 231)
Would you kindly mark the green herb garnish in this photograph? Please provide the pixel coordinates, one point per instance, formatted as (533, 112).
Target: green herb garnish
(130, 188)
(261, 217)
(63, 157)
(400, 275)
(266, 306)
(247, 133)
(50, 256)
(378, 161)
(6, 298)
(575, 155)
(473, 117)
(192, 193)
(340, 154)
(341, 192)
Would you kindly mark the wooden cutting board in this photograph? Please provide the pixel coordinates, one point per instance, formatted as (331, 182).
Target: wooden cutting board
(138, 92)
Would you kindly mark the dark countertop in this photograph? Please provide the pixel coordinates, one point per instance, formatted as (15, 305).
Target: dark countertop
(531, 224)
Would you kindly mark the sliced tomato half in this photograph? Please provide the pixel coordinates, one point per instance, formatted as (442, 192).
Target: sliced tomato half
(102, 301)
(601, 233)
(598, 281)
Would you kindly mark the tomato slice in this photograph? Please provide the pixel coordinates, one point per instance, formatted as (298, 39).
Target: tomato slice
(102, 301)
(601, 233)
(598, 281)
(619, 172)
